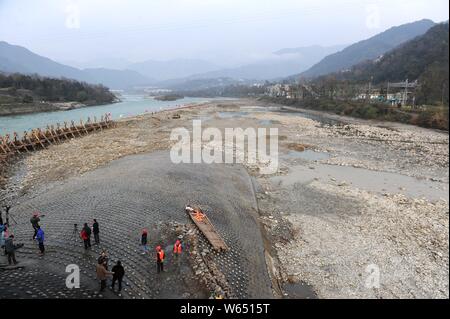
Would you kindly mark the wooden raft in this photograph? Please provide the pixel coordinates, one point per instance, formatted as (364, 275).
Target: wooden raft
(207, 228)
(39, 139)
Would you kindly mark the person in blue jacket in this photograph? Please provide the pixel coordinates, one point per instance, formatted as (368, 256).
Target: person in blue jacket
(40, 239)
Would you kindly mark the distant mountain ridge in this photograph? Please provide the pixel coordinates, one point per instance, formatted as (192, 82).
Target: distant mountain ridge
(368, 49)
(14, 58)
(316, 60)
(171, 69)
(17, 59)
(283, 62)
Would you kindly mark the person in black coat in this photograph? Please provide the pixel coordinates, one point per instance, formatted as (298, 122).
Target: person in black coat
(119, 272)
(96, 231)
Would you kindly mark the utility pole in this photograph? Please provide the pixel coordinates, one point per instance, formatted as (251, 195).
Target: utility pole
(443, 92)
(387, 93)
(370, 88)
(405, 95)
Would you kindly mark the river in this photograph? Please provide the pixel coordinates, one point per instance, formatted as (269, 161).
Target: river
(130, 105)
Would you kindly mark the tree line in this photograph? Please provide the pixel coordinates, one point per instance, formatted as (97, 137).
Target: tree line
(33, 87)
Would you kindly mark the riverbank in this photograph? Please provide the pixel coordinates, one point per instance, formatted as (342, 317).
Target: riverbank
(348, 197)
(435, 117)
(32, 108)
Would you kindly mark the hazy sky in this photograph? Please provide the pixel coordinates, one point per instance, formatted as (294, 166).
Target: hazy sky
(224, 31)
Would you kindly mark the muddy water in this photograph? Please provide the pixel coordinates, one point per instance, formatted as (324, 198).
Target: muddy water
(308, 155)
(227, 115)
(373, 181)
(299, 290)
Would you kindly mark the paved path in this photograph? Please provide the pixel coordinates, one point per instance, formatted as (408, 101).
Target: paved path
(126, 196)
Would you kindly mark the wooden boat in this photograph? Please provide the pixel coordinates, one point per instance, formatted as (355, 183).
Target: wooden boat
(207, 228)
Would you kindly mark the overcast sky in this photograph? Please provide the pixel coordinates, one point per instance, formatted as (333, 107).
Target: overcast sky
(224, 31)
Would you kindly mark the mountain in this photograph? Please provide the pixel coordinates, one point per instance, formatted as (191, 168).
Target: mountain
(425, 58)
(117, 79)
(17, 59)
(190, 84)
(312, 52)
(171, 69)
(14, 58)
(280, 64)
(369, 49)
(103, 62)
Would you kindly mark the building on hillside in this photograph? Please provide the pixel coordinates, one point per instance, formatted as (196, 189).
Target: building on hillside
(290, 91)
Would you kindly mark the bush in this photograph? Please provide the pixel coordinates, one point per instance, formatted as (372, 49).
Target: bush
(27, 99)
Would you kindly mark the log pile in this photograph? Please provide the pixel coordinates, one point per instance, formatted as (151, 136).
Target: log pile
(42, 138)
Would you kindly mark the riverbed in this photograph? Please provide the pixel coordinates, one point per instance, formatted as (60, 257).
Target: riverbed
(362, 195)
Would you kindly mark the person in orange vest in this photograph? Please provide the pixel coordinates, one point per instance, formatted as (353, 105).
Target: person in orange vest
(160, 259)
(177, 249)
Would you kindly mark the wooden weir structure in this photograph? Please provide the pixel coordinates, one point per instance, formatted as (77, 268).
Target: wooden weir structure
(54, 134)
(207, 228)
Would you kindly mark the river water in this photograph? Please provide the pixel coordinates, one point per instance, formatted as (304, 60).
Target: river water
(131, 105)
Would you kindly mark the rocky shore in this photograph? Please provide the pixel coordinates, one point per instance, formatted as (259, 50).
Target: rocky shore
(36, 107)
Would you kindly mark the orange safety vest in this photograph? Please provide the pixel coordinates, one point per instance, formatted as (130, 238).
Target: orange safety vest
(177, 248)
(161, 255)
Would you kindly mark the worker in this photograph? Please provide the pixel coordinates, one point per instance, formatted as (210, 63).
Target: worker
(7, 208)
(34, 220)
(3, 237)
(11, 249)
(144, 241)
(160, 259)
(177, 249)
(40, 239)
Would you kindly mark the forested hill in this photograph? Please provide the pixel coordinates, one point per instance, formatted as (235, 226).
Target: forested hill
(369, 49)
(425, 58)
(20, 88)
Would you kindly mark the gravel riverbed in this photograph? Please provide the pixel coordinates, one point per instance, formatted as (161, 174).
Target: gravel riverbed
(356, 209)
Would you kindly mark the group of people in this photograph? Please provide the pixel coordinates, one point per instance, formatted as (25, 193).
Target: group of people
(86, 233)
(7, 238)
(160, 254)
(117, 272)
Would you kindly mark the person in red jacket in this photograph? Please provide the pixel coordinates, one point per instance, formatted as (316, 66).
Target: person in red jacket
(85, 237)
(160, 259)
